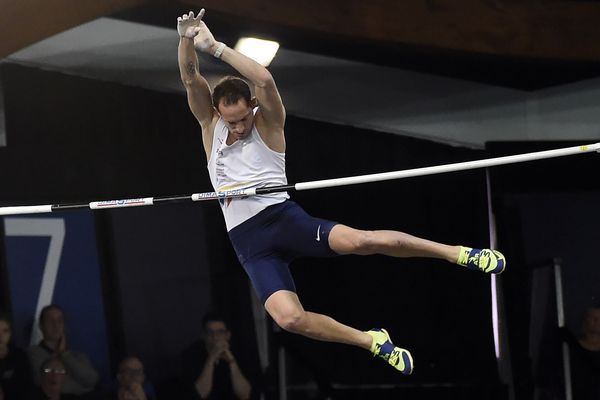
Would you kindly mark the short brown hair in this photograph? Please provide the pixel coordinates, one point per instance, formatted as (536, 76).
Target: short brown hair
(230, 89)
(48, 308)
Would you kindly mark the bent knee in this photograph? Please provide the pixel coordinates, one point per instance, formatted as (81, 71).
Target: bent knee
(290, 321)
(286, 310)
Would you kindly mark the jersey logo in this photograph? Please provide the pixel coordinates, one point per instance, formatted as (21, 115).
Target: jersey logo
(319, 234)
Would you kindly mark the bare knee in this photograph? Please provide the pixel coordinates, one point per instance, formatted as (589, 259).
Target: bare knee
(363, 242)
(286, 310)
(346, 240)
(353, 241)
(290, 320)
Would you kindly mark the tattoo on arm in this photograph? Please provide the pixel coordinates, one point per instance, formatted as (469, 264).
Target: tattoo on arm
(191, 68)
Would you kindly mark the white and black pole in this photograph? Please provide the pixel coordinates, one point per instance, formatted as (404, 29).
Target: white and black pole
(325, 183)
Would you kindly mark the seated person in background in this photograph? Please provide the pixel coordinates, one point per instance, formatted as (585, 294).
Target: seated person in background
(15, 372)
(81, 377)
(131, 381)
(585, 356)
(211, 366)
(52, 376)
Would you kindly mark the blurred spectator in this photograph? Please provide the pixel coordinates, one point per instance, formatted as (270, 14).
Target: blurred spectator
(211, 367)
(52, 376)
(15, 372)
(131, 381)
(81, 377)
(585, 357)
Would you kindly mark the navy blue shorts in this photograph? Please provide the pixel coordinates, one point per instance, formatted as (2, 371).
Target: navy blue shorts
(267, 243)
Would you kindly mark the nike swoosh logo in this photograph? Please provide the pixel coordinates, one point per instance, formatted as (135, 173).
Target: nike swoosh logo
(319, 233)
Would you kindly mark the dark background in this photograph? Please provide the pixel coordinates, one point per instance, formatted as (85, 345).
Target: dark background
(73, 139)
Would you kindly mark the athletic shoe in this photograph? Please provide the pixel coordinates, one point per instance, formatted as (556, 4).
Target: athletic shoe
(485, 260)
(383, 347)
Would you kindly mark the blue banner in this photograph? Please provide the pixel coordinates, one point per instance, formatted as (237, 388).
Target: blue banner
(54, 259)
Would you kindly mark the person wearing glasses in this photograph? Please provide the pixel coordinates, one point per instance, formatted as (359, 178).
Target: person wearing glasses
(52, 376)
(131, 381)
(82, 377)
(211, 367)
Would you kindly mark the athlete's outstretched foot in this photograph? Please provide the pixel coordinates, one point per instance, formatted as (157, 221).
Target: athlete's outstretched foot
(383, 347)
(485, 260)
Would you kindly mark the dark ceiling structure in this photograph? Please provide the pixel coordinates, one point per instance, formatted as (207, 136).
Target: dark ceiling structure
(526, 44)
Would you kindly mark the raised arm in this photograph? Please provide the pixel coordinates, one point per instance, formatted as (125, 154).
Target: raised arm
(196, 86)
(271, 116)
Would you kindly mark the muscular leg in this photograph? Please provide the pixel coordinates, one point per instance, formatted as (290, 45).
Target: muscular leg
(346, 240)
(285, 308)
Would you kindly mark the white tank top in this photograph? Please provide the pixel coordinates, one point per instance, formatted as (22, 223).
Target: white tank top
(247, 163)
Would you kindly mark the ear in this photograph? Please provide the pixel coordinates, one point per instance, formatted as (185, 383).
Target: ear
(253, 102)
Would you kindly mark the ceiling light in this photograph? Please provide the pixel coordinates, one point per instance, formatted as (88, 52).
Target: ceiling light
(261, 51)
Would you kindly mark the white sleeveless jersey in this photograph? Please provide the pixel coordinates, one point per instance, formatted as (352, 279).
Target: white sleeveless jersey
(247, 163)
